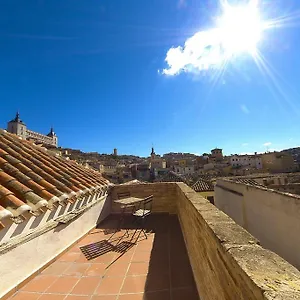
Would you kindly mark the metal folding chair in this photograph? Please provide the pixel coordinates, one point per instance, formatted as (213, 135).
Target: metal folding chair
(142, 212)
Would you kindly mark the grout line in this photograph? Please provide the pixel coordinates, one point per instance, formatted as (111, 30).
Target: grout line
(126, 272)
(169, 257)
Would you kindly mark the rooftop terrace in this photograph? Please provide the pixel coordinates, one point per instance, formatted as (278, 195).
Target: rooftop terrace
(136, 268)
(57, 219)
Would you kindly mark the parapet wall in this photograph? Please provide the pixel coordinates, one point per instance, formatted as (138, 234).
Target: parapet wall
(164, 193)
(227, 261)
(271, 216)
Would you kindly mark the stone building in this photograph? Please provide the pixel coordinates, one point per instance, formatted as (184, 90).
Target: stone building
(277, 162)
(18, 127)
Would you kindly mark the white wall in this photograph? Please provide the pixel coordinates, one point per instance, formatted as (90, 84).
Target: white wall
(272, 217)
(27, 258)
(246, 160)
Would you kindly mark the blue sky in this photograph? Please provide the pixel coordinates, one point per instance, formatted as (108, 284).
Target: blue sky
(93, 70)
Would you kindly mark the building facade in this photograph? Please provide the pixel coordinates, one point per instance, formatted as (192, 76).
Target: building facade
(251, 161)
(18, 127)
(276, 162)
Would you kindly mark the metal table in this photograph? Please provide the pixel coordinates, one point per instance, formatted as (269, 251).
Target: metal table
(126, 203)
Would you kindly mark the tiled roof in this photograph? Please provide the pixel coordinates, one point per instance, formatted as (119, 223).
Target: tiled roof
(31, 179)
(203, 186)
(247, 181)
(172, 177)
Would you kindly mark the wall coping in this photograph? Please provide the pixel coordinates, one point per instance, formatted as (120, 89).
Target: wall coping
(275, 277)
(266, 189)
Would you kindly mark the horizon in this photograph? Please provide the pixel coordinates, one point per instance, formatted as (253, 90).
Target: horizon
(132, 75)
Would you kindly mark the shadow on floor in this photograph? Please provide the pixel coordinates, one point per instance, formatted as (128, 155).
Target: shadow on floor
(169, 274)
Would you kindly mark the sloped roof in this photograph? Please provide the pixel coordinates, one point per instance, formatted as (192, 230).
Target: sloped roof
(203, 186)
(172, 177)
(30, 178)
(247, 181)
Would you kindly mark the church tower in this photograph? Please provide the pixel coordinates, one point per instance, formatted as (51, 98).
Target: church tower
(17, 126)
(53, 135)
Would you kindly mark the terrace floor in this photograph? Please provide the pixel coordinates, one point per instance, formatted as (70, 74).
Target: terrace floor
(107, 266)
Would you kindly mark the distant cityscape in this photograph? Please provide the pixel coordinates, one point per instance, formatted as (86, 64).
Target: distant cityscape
(198, 171)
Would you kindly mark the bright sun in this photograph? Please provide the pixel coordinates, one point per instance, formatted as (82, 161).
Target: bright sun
(240, 28)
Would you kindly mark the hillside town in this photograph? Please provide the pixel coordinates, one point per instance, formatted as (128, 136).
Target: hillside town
(274, 169)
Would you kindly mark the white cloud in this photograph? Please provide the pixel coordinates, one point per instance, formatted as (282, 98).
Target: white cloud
(200, 52)
(267, 144)
(245, 144)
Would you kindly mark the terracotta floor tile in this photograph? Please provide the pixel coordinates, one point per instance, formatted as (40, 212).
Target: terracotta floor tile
(77, 269)
(39, 283)
(77, 297)
(117, 269)
(141, 256)
(125, 258)
(86, 286)
(185, 293)
(109, 285)
(160, 295)
(134, 284)
(57, 268)
(25, 296)
(138, 268)
(139, 296)
(105, 297)
(157, 281)
(184, 278)
(95, 269)
(70, 256)
(63, 285)
(105, 258)
(145, 246)
(52, 297)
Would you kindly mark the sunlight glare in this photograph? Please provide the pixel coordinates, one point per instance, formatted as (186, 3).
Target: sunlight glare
(240, 28)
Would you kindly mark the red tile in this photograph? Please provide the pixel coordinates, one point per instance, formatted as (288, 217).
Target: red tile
(139, 296)
(52, 297)
(77, 297)
(134, 284)
(63, 285)
(40, 283)
(57, 268)
(138, 268)
(86, 286)
(70, 256)
(141, 256)
(77, 269)
(105, 297)
(117, 269)
(109, 285)
(157, 281)
(25, 296)
(95, 270)
(105, 258)
(161, 295)
(185, 293)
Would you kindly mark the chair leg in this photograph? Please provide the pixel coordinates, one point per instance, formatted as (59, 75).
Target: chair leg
(143, 227)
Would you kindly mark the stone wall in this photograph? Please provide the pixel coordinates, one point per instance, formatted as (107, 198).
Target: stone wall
(227, 261)
(271, 216)
(164, 195)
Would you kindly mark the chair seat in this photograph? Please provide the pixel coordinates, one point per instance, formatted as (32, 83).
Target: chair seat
(127, 206)
(141, 212)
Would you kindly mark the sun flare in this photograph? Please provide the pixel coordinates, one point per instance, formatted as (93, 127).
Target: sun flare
(240, 28)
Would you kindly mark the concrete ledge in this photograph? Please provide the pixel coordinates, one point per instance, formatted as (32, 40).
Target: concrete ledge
(27, 259)
(227, 261)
